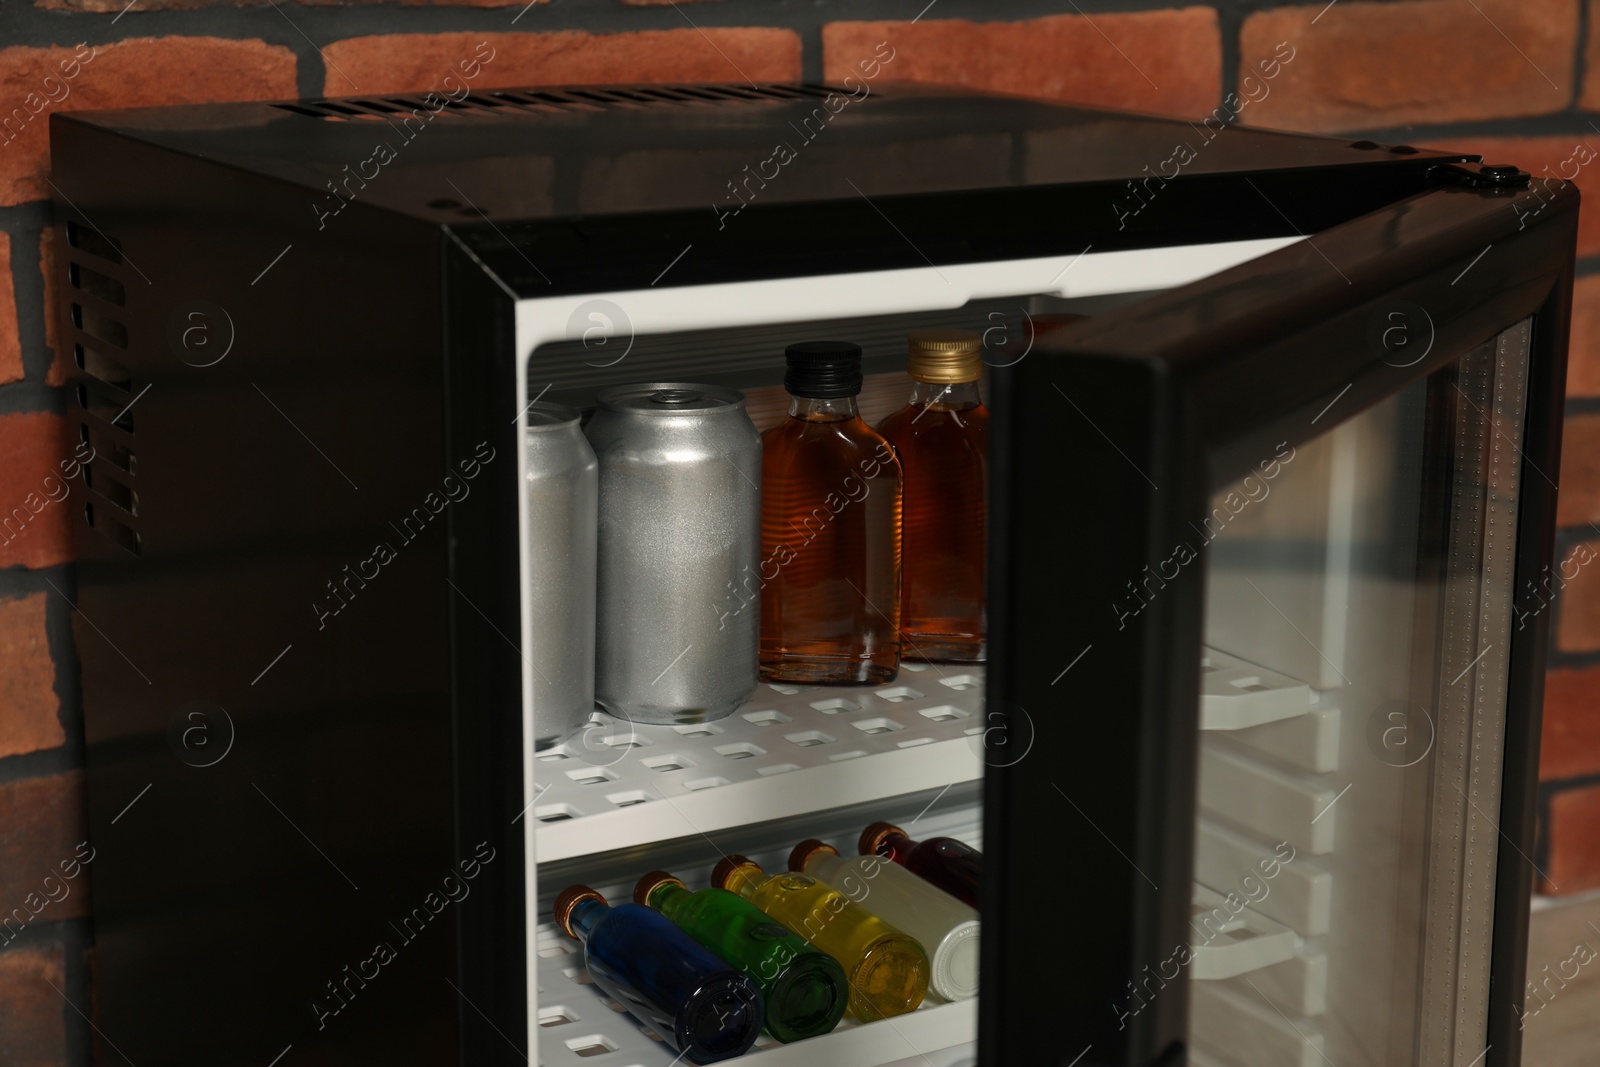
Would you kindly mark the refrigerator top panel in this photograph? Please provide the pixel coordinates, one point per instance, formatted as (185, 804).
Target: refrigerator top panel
(777, 173)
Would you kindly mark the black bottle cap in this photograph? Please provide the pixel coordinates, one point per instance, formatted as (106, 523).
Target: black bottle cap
(825, 370)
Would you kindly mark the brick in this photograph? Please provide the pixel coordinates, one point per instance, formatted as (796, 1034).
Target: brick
(33, 511)
(1583, 345)
(31, 720)
(1554, 157)
(10, 343)
(140, 72)
(1577, 581)
(1579, 502)
(1374, 65)
(1574, 838)
(1590, 97)
(1163, 62)
(1577, 577)
(32, 1015)
(416, 62)
(42, 823)
(61, 369)
(1570, 741)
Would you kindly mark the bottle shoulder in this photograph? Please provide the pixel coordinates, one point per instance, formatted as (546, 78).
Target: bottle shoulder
(843, 438)
(916, 422)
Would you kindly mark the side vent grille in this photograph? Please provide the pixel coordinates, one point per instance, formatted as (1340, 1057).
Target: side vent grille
(507, 101)
(96, 314)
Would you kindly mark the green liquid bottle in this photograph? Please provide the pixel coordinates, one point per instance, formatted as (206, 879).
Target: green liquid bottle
(887, 969)
(804, 989)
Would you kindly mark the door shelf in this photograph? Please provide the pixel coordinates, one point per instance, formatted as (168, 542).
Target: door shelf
(789, 751)
(1231, 942)
(579, 1026)
(1236, 694)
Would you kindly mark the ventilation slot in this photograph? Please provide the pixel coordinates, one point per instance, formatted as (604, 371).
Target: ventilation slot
(103, 479)
(567, 102)
(513, 101)
(527, 103)
(96, 364)
(96, 305)
(104, 405)
(101, 286)
(93, 242)
(112, 529)
(100, 326)
(106, 448)
(668, 94)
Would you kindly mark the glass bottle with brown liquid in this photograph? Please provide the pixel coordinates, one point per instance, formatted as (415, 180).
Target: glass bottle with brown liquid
(830, 531)
(942, 438)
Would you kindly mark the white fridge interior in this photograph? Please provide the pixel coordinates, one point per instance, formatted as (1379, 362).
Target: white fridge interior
(618, 799)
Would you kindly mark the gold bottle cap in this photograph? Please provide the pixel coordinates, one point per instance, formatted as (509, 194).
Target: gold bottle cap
(569, 899)
(872, 837)
(945, 356)
(731, 871)
(651, 882)
(805, 850)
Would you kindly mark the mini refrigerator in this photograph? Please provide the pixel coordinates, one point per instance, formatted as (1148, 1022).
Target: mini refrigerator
(1252, 758)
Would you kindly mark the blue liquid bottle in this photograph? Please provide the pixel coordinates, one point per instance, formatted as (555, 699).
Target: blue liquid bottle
(701, 1007)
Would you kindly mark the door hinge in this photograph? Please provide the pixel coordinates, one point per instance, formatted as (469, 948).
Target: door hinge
(1481, 175)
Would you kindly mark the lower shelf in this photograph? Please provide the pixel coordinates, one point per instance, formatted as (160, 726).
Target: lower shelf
(579, 1026)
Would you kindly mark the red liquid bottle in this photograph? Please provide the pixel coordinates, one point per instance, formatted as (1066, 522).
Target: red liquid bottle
(830, 531)
(942, 438)
(944, 861)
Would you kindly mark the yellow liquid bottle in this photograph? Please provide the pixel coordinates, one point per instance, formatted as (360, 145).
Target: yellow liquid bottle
(888, 970)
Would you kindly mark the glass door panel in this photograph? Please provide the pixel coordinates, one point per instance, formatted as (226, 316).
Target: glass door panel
(1353, 699)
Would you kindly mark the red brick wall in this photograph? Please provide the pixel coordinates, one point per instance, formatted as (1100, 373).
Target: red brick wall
(1515, 79)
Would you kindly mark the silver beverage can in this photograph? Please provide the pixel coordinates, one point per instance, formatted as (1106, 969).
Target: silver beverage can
(563, 483)
(680, 513)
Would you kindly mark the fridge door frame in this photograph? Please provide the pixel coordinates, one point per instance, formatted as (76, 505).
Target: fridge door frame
(1094, 832)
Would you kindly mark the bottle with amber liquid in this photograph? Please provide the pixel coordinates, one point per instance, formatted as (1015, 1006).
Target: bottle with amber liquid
(941, 436)
(952, 865)
(830, 530)
(887, 969)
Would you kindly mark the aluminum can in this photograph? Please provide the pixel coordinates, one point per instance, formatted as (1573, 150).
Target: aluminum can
(680, 513)
(563, 483)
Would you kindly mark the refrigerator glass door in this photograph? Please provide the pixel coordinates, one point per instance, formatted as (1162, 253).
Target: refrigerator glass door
(1270, 582)
(1359, 613)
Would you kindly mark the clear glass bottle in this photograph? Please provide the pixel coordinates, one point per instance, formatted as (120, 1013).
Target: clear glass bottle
(804, 989)
(702, 1008)
(946, 928)
(887, 968)
(830, 531)
(952, 865)
(941, 436)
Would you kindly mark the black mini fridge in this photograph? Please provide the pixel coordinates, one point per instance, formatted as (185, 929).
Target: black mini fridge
(1276, 427)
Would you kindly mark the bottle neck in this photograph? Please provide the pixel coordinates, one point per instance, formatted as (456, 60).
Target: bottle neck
(585, 916)
(819, 409)
(668, 897)
(945, 396)
(821, 863)
(896, 847)
(745, 880)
